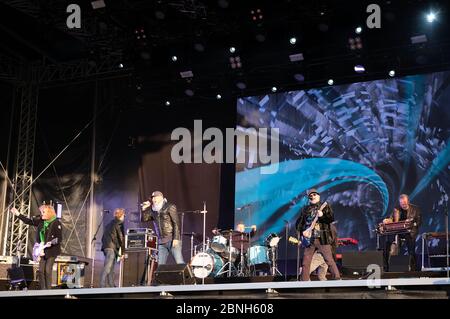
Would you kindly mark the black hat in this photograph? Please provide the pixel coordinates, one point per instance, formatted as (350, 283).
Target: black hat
(312, 191)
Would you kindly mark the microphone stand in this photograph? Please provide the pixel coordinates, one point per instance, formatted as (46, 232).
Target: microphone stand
(298, 255)
(446, 234)
(94, 251)
(287, 228)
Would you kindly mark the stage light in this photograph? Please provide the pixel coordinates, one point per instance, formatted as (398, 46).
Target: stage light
(358, 30)
(391, 73)
(189, 92)
(98, 4)
(256, 15)
(296, 57)
(232, 49)
(167, 103)
(419, 39)
(330, 82)
(299, 77)
(241, 85)
(431, 17)
(218, 96)
(274, 89)
(186, 74)
(355, 43)
(120, 65)
(293, 40)
(235, 62)
(359, 68)
(174, 58)
(199, 47)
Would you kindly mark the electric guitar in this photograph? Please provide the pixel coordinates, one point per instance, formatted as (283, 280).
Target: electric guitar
(307, 234)
(39, 249)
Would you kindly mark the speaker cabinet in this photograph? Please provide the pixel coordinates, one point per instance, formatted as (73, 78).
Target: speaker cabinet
(356, 262)
(399, 263)
(138, 268)
(178, 274)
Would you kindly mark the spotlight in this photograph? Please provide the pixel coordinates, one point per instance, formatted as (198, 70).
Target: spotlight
(167, 103)
(174, 58)
(186, 74)
(98, 4)
(358, 30)
(296, 57)
(330, 82)
(189, 92)
(232, 49)
(218, 96)
(120, 65)
(256, 15)
(431, 17)
(293, 40)
(299, 77)
(422, 38)
(235, 62)
(359, 68)
(391, 73)
(274, 89)
(241, 85)
(199, 47)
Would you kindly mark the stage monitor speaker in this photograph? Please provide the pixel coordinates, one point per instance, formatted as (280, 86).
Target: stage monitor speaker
(134, 265)
(356, 262)
(178, 274)
(399, 263)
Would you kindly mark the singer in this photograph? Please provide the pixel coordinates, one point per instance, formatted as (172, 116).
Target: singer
(167, 225)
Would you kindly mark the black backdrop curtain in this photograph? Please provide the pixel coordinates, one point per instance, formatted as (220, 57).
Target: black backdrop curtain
(185, 185)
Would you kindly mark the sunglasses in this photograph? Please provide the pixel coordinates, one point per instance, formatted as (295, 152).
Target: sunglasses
(313, 195)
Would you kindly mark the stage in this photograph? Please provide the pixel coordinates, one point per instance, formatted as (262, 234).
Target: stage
(398, 288)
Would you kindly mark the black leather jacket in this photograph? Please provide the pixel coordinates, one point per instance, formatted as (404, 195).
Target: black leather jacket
(166, 220)
(325, 221)
(53, 231)
(113, 236)
(414, 213)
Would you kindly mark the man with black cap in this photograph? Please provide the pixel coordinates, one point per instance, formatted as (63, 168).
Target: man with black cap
(321, 237)
(167, 226)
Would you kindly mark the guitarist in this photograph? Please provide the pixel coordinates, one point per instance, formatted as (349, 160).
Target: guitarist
(321, 237)
(49, 231)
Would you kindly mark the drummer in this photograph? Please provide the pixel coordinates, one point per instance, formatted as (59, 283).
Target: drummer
(241, 235)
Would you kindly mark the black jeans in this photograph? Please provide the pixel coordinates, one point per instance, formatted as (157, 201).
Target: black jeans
(45, 272)
(406, 239)
(327, 256)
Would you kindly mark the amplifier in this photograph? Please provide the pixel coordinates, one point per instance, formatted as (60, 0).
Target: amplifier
(140, 241)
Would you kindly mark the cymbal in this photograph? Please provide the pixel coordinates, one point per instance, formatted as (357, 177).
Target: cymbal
(230, 231)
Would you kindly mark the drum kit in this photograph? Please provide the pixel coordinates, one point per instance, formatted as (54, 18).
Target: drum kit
(230, 253)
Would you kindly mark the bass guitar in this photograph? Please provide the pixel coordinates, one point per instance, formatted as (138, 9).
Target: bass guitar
(307, 234)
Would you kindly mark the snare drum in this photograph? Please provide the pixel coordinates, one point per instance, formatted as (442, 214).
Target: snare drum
(257, 255)
(206, 264)
(219, 243)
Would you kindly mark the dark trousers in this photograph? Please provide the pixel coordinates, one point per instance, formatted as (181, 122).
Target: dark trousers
(45, 272)
(409, 240)
(327, 256)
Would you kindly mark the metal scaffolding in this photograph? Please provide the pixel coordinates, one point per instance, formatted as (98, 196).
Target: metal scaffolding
(16, 232)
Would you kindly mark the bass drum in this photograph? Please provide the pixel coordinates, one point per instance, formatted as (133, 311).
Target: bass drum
(206, 264)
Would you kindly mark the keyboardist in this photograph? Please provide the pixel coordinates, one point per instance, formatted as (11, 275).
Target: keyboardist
(405, 211)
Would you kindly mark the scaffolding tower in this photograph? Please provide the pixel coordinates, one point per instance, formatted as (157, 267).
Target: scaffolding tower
(15, 240)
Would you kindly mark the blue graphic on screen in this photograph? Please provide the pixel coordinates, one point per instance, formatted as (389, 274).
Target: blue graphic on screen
(361, 145)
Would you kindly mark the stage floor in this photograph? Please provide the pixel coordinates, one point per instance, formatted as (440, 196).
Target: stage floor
(424, 287)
